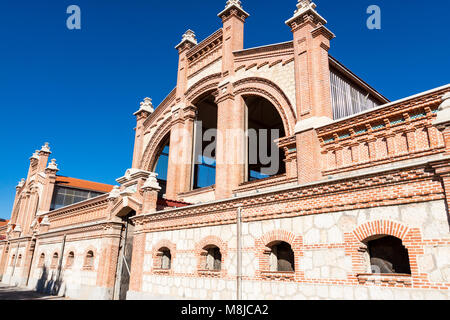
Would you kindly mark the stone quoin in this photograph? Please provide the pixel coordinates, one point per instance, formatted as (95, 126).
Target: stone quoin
(357, 208)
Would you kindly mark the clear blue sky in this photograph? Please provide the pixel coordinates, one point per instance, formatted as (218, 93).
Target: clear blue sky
(78, 89)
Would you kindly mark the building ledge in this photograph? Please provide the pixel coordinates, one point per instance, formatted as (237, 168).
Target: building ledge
(278, 275)
(385, 278)
(210, 273)
(160, 271)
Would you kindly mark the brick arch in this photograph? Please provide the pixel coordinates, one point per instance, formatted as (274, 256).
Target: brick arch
(380, 227)
(165, 243)
(263, 250)
(277, 235)
(156, 261)
(149, 156)
(208, 83)
(85, 252)
(270, 91)
(212, 240)
(66, 255)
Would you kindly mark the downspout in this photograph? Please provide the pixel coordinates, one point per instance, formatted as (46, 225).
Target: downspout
(31, 263)
(15, 260)
(239, 255)
(117, 281)
(60, 263)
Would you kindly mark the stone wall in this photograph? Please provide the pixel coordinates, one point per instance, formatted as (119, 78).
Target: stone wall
(326, 258)
(76, 281)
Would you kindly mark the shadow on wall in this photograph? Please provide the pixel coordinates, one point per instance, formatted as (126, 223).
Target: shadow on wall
(49, 286)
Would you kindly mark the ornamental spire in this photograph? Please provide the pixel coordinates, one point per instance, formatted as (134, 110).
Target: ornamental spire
(52, 165)
(146, 106)
(45, 148)
(188, 37)
(304, 7)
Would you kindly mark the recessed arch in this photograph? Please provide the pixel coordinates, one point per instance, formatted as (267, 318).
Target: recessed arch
(267, 89)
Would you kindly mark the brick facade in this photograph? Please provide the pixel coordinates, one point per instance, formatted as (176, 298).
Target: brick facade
(382, 172)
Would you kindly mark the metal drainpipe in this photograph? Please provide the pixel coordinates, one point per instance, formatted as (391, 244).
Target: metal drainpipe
(239, 255)
(116, 292)
(15, 260)
(31, 263)
(60, 263)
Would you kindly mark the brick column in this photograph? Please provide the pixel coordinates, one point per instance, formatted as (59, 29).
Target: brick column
(230, 152)
(150, 191)
(312, 82)
(109, 252)
(28, 260)
(146, 108)
(184, 179)
(178, 171)
(137, 262)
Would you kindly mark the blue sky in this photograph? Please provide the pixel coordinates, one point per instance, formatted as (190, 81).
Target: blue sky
(77, 89)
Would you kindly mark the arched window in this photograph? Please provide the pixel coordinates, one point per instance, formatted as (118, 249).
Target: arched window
(89, 260)
(70, 259)
(166, 258)
(205, 135)
(162, 163)
(54, 260)
(388, 255)
(13, 258)
(281, 257)
(41, 262)
(264, 126)
(19, 261)
(213, 261)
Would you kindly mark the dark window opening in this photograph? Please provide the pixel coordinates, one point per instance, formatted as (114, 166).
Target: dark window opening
(264, 125)
(213, 258)
(282, 257)
(388, 255)
(161, 166)
(204, 173)
(166, 258)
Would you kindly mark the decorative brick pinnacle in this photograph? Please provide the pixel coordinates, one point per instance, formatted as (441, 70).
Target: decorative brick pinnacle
(45, 221)
(305, 7)
(151, 183)
(35, 155)
(115, 193)
(189, 37)
(21, 183)
(445, 102)
(146, 106)
(45, 148)
(234, 5)
(52, 165)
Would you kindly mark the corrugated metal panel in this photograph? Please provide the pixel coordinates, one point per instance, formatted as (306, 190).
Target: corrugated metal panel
(347, 99)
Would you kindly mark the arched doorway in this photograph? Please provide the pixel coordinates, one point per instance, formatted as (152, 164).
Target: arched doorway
(264, 126)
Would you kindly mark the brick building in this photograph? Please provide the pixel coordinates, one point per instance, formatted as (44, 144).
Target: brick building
(357, 207)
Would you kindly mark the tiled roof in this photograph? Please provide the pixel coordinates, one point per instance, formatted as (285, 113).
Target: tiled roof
(170, 203)
(83, 184)
(3, 223)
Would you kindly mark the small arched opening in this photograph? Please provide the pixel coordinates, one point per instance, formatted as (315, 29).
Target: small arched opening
(388, 255)
(281, 257)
